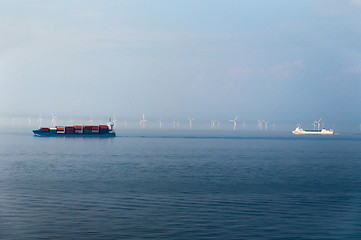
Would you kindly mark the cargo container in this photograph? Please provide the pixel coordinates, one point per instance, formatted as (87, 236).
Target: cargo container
(103, 129)
(60, 130)
(95, 129)
(69, 130)
(78, 130)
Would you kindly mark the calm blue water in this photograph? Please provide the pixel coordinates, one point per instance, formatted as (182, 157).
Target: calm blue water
(180, 188)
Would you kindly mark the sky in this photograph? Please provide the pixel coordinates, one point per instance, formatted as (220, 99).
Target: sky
(282, 61)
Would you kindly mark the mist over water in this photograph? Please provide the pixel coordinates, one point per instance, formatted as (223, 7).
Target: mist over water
(173, 127)
(280, 62)
(184, 186)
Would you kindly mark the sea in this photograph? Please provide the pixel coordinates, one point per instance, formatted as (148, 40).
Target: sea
(180, 185)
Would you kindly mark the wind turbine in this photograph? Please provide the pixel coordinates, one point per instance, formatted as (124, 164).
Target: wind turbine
(142, 122)
(29, 119)
(265, 124)
(91, 121)
(160, 123)
(40, 120)
(234, 123)
(259, 124)
(53, 120)
(314, 125)
(318, 124)
(212, 123)
(115, 121)
(190, 122)
(173, 124)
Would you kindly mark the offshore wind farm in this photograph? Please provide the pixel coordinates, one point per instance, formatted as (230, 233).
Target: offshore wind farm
(182, 124)
(136, 119)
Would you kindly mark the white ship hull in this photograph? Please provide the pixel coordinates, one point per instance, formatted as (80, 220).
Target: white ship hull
(300, 131)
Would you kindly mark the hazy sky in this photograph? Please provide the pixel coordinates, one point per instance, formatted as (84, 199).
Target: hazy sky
(283, 61)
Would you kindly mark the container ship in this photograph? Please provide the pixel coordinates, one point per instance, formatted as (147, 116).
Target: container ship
(77, 131)
(323, 131)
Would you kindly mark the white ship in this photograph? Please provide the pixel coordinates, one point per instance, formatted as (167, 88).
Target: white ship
(323, 131)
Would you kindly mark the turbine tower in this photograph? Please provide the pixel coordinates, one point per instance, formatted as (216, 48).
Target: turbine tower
(212, 123)
(160, 123)
(259, 124)
(318, 124)
(115, 121)
(29, 119)
(142, 122)
(173, 124)
(190, 122)
(53, 120)
(234, 123)
(40, 120)
(265, 124)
